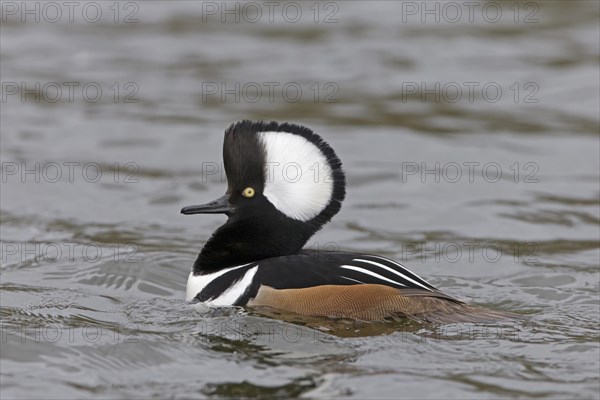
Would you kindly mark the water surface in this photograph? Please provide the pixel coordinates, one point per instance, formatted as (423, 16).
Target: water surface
(495, 200)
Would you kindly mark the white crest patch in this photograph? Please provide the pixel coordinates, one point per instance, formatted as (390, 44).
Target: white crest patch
(298, 177)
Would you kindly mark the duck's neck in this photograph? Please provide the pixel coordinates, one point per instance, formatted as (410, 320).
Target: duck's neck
(242, 242)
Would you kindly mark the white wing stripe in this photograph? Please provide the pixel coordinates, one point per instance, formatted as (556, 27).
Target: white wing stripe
(367, 272)
(402, 267)
(393, 271)
(233, 293)
(350, 279)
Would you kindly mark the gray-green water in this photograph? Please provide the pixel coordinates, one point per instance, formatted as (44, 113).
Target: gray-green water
(492, 196)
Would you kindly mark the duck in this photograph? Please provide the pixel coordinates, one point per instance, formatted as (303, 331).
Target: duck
(284, 183)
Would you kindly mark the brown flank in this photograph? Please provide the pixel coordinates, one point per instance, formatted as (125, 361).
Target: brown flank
(371, 302)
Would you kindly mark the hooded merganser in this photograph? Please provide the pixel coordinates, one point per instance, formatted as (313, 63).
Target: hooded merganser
(284, 184)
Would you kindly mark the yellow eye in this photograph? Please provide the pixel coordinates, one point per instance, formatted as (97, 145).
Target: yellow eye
(248, 192)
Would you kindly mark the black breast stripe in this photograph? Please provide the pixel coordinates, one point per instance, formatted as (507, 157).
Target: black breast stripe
(219, 285)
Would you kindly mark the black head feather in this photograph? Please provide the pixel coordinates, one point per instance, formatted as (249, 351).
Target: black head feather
(257, 229)
(244, 157)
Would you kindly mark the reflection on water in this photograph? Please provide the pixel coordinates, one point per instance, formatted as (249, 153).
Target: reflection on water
(471, 149)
